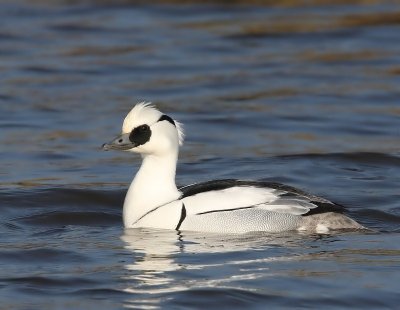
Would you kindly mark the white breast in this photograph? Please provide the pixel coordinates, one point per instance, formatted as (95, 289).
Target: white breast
(165, 217)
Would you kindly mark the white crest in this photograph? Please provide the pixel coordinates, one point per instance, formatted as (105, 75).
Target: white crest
(142, 113)
(181, 133)
(146, 113)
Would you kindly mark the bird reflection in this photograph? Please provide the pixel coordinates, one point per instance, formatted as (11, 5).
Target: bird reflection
(165, 261)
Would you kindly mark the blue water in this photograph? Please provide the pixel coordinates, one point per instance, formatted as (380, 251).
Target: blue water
(303, 93)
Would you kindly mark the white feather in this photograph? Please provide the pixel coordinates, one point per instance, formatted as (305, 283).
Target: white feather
(230, 198)
(267, 199)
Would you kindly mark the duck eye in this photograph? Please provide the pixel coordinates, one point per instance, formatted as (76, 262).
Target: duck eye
(140, 135)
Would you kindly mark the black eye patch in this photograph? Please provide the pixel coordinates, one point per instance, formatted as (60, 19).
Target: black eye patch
(140, 135)
(166, 118)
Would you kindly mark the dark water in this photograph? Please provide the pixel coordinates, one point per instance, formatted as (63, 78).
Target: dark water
(303, 93)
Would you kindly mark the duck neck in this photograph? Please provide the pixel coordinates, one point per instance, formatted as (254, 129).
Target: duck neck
(153, 186)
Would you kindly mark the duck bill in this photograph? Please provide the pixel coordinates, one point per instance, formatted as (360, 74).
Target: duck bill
(120, 143)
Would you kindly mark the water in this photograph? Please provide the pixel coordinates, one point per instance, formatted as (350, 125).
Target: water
(303, 93)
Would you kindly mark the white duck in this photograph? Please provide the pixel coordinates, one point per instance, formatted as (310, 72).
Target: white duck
(228, 206)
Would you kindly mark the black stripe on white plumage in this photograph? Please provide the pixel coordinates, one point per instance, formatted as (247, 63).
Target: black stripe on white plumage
(228, 206)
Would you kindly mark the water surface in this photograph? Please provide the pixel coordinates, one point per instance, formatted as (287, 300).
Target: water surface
(302, 93)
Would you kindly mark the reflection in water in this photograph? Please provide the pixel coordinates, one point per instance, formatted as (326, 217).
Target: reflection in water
(167, 261)
(168, 267)
(153, 258)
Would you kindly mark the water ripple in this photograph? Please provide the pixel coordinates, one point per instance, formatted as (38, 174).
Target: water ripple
(300, 92)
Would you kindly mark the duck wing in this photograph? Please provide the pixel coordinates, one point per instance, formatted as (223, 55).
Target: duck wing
(231, 195)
